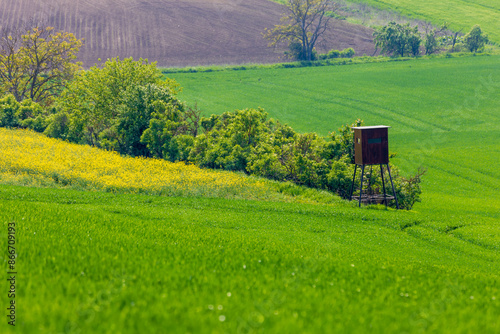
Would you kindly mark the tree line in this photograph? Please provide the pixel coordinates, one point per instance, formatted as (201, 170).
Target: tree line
(306, 21)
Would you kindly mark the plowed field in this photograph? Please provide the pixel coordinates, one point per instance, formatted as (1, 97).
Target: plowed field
(174, 33)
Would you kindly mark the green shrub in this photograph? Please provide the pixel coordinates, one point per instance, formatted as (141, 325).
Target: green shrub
(180, 147)
(265, 162)
(296, 52)
(475, 40)
(347, 53)
(8, 111)
(332, 54)
(339, 179)
(24, 114)
(229, 139)
(407, 189)
(58, 126)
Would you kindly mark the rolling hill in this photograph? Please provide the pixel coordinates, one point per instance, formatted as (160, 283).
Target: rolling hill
(173, 33)
(459, 14)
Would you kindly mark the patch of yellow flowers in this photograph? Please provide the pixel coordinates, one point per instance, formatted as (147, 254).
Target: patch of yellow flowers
(26, 155)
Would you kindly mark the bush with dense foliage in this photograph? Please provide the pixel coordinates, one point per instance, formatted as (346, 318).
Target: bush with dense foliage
(246, 140)
(332, 54)
(475, 40)
(25, 114)
(398, 39)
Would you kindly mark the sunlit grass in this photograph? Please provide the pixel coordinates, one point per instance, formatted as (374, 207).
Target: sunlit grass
(118, 260)
(134, 263)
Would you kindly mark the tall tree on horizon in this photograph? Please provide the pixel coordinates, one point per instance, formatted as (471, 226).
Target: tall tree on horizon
(304, 22)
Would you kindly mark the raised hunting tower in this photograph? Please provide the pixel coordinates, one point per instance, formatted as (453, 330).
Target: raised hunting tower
(371, 147)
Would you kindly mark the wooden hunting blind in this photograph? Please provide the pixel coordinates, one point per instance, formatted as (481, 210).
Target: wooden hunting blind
(371, 147)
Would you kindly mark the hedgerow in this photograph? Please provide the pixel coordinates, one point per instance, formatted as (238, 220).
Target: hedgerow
(124, 107)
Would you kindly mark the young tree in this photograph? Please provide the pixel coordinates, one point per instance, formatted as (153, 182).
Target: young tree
(37, 62)
(434, 38)
(475, 40)
(398, 39)
(431, 43)
(454, 38)
(302, 25)
(104, 105)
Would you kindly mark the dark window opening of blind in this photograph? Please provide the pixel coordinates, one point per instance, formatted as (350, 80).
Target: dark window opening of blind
(375, 141)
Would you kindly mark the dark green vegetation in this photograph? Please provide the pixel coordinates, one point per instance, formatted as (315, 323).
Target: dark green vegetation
(92, 262)
(475, 40)
(443, 113)
(110, 106)
(398, 39)
(245, 140)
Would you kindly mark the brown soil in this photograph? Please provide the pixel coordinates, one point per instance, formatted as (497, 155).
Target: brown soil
(174, 32)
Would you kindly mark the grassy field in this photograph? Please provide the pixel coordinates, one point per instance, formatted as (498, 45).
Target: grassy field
(99, 251)
(111, 244)
(96, 262)
(107, 259)
(443, 113)
(461, 14)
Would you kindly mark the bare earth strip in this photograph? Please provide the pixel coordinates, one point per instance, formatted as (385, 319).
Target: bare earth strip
(174, 32)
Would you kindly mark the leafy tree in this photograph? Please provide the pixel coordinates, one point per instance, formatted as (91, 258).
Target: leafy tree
(171, 132)
(474, 40)
(398, 39)
(229, 138)
(301, 26)
(434, 38)
(140, 104)
(95, 99)
(36, 63)
(431, 43)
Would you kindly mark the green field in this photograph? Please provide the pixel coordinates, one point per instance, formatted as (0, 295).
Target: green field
(444, 115)
(93, 262)
(460, 14)
(100, 262)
